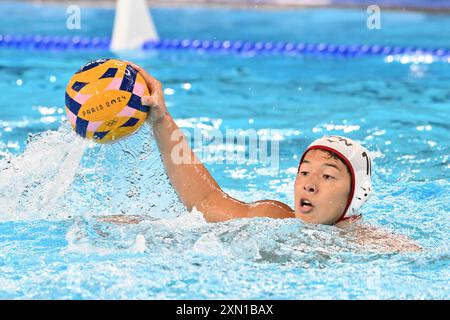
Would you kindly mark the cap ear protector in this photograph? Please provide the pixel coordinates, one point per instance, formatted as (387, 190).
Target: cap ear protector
(358, 161)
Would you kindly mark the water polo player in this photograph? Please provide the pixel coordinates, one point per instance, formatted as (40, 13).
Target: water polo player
(332, 183)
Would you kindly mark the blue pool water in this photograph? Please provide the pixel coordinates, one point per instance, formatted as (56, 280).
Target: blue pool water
(53, 185)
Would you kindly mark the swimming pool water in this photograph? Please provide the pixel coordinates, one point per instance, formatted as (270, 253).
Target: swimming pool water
(51, 190)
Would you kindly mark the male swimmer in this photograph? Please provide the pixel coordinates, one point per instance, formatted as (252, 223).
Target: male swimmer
(332, 183)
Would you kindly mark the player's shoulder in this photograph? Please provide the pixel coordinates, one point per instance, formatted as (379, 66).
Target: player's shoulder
(273, 209)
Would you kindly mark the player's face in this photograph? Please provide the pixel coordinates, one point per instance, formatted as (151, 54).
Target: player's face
(322, 188)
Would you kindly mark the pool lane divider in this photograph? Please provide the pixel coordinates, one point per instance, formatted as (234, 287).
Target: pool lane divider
(57, 43)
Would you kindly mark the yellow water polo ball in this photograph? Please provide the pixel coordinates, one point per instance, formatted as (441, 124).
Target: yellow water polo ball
(103, 100)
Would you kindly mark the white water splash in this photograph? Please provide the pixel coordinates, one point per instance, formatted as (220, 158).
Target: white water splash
(139, 244)
(32, 183)
(60, 176)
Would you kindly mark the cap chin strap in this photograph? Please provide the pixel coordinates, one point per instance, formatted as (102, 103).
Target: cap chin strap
(343, 216)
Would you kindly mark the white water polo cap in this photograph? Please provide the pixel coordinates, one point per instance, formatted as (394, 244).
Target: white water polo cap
(357, 159)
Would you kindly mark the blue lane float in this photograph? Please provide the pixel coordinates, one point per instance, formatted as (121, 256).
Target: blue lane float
(289, 48)
(58, 43)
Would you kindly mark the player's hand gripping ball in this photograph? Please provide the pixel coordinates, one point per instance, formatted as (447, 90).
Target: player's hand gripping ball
(103, 100)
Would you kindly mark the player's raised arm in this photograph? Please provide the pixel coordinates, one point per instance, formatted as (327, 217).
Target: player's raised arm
(190, 178)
